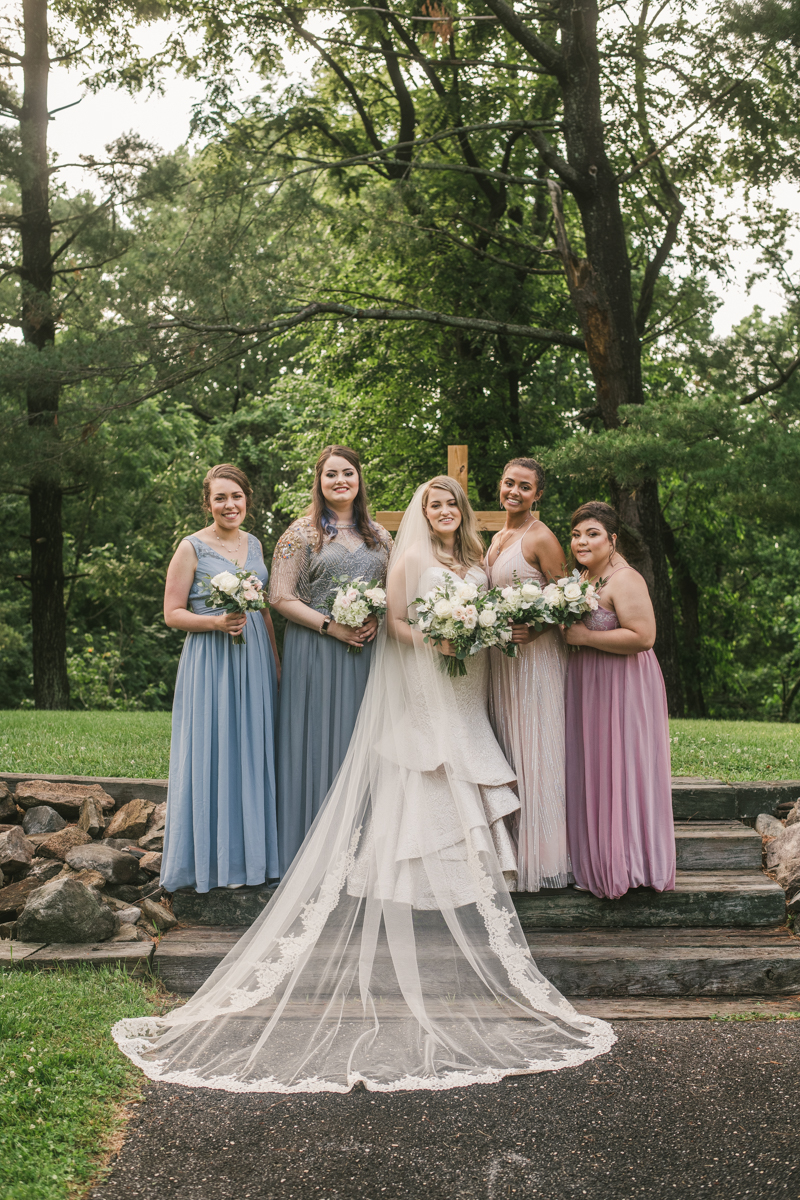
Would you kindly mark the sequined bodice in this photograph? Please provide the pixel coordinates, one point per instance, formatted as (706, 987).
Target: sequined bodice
(210, 562)
(601, 618)
(335, 560)
(301, 572)
(511, 563)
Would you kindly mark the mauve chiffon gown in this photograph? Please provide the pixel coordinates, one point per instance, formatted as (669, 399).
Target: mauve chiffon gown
(527, 711)
(619, 795)
(221, 816)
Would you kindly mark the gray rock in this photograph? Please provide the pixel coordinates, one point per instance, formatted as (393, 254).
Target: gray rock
(2, 879)
(129, 915)
(151, 863)
(793, 908)
(794, 814)
(8, 930)
(783, 857)
(125, 892)
(130, 933)
(92, 819)
(121, 844)
(156, 914)
(65, 911)
(42, 819)
(768, 825)
(16, 852)
(114, 865)
(44, 869)
(154, 837)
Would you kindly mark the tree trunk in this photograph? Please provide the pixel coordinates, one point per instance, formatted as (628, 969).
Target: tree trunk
(49, 622)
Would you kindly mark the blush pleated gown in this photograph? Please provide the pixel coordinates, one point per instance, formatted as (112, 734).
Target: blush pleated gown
(527, 710)
(619, 793)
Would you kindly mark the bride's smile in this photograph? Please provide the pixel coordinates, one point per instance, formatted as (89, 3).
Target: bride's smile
(443, 512)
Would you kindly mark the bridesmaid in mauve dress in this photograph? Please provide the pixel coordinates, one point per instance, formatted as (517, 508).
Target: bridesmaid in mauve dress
(527, 692)
(323, 684)
(619, 797)
(221, 819)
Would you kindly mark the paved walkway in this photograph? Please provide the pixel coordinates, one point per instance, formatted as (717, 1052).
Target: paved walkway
(679, 1109)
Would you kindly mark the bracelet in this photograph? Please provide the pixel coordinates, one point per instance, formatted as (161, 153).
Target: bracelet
(323, 629)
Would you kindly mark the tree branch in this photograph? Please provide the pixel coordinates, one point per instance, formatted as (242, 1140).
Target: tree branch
(320, 308)
(783, 378)
(548, 55)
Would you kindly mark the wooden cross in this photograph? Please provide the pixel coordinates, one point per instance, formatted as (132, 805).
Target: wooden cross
(457, 468)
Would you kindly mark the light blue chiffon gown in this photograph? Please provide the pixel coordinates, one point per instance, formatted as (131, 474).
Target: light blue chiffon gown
(221, 816)
(321, 684)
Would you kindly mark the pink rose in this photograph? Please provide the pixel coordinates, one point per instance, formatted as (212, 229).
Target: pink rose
(250, 594)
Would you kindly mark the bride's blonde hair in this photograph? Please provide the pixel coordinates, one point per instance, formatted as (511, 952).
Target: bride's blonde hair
(468, 548)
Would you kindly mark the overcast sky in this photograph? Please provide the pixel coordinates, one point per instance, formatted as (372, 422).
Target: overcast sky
(164, 120)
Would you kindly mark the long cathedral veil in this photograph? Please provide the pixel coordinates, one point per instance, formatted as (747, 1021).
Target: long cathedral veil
(391, 953)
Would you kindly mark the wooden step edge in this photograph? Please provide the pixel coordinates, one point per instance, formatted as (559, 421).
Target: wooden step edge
(702, 1008)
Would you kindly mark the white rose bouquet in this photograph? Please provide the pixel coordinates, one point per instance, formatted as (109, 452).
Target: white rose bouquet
(356, 600)
(236, 591)
(468, 617)
(524, 604)
(569, 598)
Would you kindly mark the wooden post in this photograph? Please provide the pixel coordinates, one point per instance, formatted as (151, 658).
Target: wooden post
(458, 464)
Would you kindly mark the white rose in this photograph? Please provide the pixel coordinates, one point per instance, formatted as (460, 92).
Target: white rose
(487, 618)
(551, 593)
(226, 582)
(572, 591)
(563, 582)
(530, 591)
(466, 591)
(443, 608)
(509, 593)
(470, 616)
(506, 635)
(376, 595)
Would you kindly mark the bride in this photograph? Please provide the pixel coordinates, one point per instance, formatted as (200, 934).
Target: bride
(391, 953)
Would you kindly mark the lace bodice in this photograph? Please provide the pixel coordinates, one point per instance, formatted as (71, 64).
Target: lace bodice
(602, 619)
(210, 562)
(301, 572)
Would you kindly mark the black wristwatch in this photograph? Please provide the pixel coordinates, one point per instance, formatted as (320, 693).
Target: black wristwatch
(323, 629)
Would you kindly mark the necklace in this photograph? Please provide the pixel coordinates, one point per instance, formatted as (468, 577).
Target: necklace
(238, 543)
(504, 541)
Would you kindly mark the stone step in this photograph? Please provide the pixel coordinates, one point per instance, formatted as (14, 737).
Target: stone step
(716, 846)
(623, 963)
(701, 898)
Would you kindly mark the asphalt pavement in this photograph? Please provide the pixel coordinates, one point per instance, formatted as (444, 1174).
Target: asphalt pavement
(676, 1109)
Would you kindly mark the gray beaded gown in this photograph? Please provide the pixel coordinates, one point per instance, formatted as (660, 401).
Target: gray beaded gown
(321, 684)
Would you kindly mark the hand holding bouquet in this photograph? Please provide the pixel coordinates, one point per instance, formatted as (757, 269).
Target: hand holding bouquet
(356, 601)
(458, 612)
(236, 591)
(524, 604)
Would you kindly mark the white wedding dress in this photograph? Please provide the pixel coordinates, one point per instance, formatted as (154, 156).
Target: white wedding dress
(391, 953)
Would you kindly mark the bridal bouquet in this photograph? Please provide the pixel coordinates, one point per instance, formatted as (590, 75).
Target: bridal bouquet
(355, 601)
(236, 591)
(468, 617)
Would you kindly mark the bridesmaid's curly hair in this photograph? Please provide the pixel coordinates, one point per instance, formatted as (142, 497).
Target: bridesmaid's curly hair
(323, 519)
(605, 515)
(226, 471)
(529, 464)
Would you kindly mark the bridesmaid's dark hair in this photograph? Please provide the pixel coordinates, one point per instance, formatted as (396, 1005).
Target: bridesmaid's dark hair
(226, 471)
(529, 464)
(323, 520)
(604, 514)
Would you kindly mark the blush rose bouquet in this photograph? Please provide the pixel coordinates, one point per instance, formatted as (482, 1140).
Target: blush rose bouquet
(463, 614)
(356, 600)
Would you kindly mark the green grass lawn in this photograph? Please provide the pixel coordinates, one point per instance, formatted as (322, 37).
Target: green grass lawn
(134, 744)
(137, 745)
(62, 1078)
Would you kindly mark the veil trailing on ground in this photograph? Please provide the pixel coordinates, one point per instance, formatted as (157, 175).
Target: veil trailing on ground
(391, 953)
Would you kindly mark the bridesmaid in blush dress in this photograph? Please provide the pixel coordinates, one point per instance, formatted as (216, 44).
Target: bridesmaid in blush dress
(527, 692)
(619, 796)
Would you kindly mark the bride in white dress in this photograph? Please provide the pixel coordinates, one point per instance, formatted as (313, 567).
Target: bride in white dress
(391, 953)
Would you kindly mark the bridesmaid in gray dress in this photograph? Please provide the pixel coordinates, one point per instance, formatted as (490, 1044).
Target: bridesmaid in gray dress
(221, 819)
(322, 683)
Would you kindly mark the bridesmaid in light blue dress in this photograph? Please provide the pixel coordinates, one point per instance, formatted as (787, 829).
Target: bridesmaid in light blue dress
(323, 684)
(221, 828)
